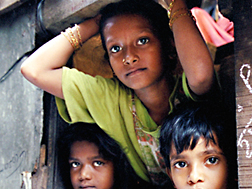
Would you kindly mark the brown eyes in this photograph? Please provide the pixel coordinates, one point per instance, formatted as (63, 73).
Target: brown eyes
(98, 163)
(143, 41)
(74, 164)
(140, 42)
(212, 160)
(115, 49)
(95, 164)
(180, 164)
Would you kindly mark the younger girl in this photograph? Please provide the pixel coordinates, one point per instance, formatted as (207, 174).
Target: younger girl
(88, 157)
(137, 38)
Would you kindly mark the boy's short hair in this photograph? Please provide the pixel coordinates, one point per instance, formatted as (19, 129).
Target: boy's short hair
(190, 121)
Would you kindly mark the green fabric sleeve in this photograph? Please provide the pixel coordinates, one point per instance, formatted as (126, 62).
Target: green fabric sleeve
(106, 103)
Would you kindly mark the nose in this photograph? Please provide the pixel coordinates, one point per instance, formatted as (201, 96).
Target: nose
(85, 172)
(196, 175)
(131, 55)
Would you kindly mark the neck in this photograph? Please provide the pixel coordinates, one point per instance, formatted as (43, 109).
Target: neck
(156, 100)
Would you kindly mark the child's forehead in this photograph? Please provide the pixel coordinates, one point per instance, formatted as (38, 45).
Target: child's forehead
(202, 145)
(118, 26)
(83, 144)
(136, 17)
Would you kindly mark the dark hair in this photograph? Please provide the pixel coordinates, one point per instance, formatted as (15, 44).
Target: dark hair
(124, 175)
(157, 18)
(190, 121)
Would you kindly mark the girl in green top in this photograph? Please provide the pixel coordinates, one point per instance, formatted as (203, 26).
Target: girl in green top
(140, 42)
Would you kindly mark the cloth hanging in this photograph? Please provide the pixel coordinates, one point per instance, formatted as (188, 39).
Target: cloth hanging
(218, 32)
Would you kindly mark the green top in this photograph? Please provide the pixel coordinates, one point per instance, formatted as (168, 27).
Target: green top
(107, 102)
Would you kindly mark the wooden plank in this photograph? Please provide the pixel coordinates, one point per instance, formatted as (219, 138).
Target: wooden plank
(7, 5)
(59, 14)
(53, 126)
(21, 103)
(243, 68)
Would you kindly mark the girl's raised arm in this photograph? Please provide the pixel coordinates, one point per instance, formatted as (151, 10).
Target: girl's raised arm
(44, 67)
(193, 53)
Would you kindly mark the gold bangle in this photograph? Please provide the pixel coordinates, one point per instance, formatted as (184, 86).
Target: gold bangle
(179, 16)
(70, 41)
(73, 38)
(170, 8)
(78, 32)
(178, 10)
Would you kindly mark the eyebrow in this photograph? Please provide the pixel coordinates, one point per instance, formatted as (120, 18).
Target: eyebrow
(145, 30)
(213, 151)
(178, 156)
(206, 152)
(92, 158)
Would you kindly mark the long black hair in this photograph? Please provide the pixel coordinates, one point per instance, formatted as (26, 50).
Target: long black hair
(157, 18)
(124, 175)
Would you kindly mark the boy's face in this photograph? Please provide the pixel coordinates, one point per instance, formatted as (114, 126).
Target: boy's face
(204, 167)
(88, 169)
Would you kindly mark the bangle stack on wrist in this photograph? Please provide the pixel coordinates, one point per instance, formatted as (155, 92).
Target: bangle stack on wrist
(69, 33)
(177, 13)
(170, 8)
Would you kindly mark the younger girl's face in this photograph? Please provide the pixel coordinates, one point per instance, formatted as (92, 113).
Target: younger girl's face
(204, 167)
(88, 169)
(134, 51)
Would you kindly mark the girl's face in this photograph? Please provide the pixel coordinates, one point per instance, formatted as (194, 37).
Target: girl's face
(134, 51)
(88, 169)
(204, 167)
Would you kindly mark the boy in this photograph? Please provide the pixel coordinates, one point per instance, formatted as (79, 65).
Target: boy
(197, 142)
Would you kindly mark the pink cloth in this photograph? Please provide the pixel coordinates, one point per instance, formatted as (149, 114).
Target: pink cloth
(218, 33)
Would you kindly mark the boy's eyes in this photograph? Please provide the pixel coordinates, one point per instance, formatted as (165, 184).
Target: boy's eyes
(212, 160)
(209, 161)
(180, 164)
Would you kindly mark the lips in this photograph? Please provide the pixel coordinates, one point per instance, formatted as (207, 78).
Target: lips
(135, 71)
(87, 187)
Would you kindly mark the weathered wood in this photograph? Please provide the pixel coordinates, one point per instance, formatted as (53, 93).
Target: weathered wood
(54, 125)
(243, 64)
(21, 103)
(39, 179)
(7, 5)
(59, 14)
(225, 60)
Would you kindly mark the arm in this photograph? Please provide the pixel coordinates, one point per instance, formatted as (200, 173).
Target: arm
(193, 53)
(44, 67)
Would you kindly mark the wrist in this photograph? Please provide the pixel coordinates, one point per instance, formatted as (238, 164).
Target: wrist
(73, 36)
(172, 5)
(88, 28)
